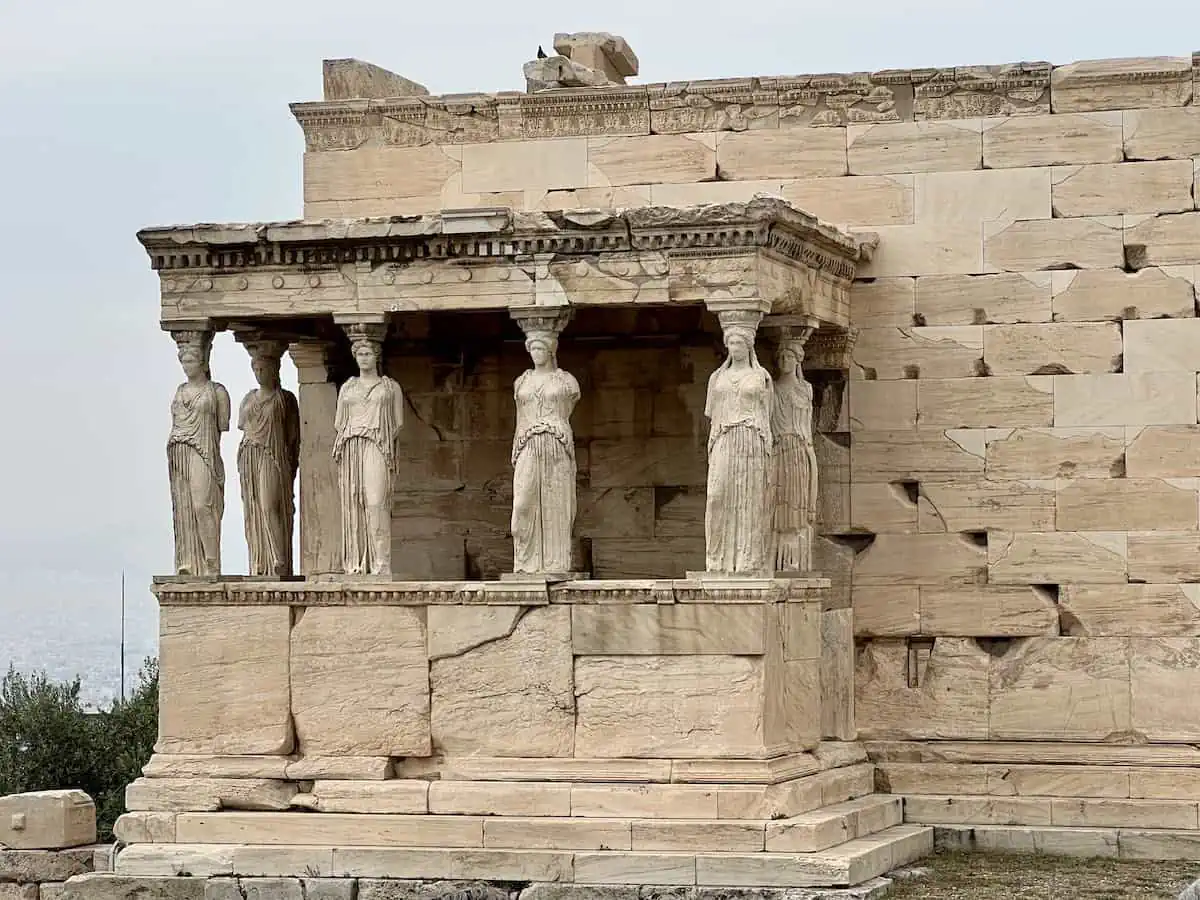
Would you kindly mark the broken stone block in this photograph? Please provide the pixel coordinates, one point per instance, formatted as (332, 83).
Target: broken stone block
(600, 51)
(47, 820)
(560, 72)
(353, 79)
(41, 866)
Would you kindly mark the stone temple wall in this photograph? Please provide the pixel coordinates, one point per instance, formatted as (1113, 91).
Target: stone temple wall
(1012, 494)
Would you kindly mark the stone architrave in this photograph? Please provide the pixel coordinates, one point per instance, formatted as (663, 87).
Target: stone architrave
(199, 416)
(370, 414)
(737, 516)
(268, 457)
(543, 452)
(794, 480)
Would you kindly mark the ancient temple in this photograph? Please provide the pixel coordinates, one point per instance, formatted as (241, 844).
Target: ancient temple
(623, 411)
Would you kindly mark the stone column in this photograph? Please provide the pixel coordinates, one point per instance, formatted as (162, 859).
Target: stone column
(795, 464)
(738, 505)
(320, 513)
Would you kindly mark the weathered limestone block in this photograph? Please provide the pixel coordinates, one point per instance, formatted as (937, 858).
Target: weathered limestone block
(1127, 504)
(669, 706)
(935, 454)
(1010, 297)
(1039, 453)
(1148, 398)
(489, 798)
(291, 829)
(656, 461)
(834, 674)
(978, 810)
(923, 250)
(1167, 240)
(668, 630)
(1163, 451)
(885, 302)
(208, 794)
(224, 685)
(191, 765)
(904, 147)
(883, 507)
(353, 79)
(1162, 345)
(176, 859)
(1056, 557)
(986, 505)
(512, 696)
(968, 198)
(1142, 610)
(47, 820)
(399, 797)
(1158, 557)
(18, 891)
(1165, 678)
(526, 165)
(1120, 813)
(145, 828)
(882, 405)
(783, 153)
(886, 611)
(650, 159)
(1082, 243)
(41, 866)
(1052, 349)
(987, 610)
(1074, 688)
(1166, 783)
(906, 559)
(904, 693)
(378, 174)
(1162, 133)
(104, 886)
(360, 682)
(938, 352)
(340, 768)
(1058, 781)
(1094, 295)
(1117, 188)
(983, 402)
(856, 200)
(671, 557)
(1135, 83)
(1064, 140)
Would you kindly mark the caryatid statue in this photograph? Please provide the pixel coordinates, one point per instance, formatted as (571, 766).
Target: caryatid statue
(737, 517)
(370, 414)
(543, 454)
(268, 458)
(199, 416)
(795, 459)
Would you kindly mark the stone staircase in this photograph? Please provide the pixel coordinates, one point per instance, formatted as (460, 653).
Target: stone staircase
(662, 842)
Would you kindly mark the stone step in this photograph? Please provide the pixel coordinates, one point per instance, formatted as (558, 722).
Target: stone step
(851, 863)
(1067, 812)
(833, 825)
(1122, 843)
(806, 832)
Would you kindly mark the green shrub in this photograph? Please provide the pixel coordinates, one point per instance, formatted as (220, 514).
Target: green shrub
(49, 742)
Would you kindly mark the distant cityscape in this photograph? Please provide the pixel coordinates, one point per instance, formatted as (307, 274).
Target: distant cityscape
(69, 640)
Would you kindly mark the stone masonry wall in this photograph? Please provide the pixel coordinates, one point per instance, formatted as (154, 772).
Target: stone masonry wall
(1017, 502)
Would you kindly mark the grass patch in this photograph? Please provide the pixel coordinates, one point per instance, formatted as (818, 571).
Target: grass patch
(1002, 876)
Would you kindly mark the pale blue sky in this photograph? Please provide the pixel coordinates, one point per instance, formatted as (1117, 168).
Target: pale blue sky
(116, 115)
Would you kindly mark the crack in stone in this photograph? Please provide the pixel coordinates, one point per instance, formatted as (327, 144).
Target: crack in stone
(524, 610)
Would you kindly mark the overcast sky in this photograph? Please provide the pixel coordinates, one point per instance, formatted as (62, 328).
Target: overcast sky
(120, 114)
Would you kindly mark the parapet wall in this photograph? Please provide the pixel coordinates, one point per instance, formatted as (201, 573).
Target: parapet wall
(1012, 494)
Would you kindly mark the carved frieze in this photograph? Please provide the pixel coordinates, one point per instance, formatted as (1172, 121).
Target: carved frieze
(970, 92)
(735, 104)
(574, 112)
(834, 100)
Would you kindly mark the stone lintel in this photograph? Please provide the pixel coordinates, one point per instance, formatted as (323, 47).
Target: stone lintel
(764, 251)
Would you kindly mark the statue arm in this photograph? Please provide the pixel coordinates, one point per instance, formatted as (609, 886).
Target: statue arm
(222, 408)
(709, 400)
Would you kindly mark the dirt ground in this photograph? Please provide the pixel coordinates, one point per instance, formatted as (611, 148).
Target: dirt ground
(991, 876)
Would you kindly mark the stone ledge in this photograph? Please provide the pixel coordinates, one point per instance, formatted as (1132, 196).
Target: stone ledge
(238, 591)
(1119, 843)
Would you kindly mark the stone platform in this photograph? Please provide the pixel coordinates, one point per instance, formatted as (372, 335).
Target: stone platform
(659, 732)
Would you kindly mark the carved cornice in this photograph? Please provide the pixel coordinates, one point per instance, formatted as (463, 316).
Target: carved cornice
(762, 223)
(830, 349)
